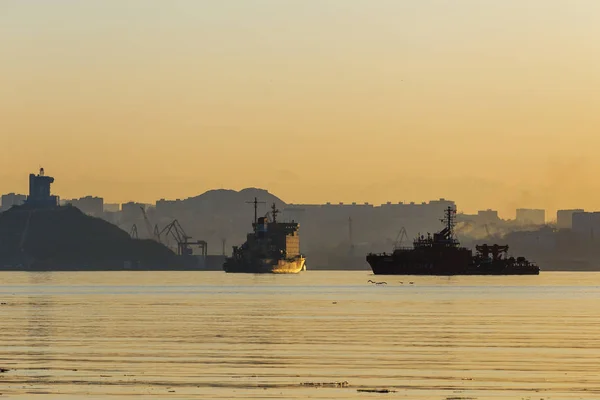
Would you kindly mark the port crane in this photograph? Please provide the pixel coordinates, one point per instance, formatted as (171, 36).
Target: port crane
(152, 233)
(176, 231)
(184, 242)
(133, 232)
(400, 238)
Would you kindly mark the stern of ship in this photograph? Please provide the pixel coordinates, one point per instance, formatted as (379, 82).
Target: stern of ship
(288, 266)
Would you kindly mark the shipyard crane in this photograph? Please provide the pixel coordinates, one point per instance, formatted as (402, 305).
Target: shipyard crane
(156, 233)
(175, 230)
(400, 237)
(152, 233)
(133, 232)
(146, 221)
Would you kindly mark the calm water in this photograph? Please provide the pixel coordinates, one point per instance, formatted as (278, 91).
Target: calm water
(209, 335)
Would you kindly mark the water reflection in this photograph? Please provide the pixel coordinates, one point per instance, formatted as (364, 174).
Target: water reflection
(216, 335)
(39, 333)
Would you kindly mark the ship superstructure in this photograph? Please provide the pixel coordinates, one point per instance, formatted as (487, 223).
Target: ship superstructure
(442, 254)
(272, 247)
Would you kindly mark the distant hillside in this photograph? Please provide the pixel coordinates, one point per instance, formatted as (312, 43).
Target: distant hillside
(225, 200)
(66, 236)
(216, 215)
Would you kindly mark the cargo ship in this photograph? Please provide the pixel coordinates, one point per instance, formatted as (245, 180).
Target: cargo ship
(442, 254)
(272, 247)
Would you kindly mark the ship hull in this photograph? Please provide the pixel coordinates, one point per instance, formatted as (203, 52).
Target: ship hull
(388, 265)
(442, 255)
(265, 266)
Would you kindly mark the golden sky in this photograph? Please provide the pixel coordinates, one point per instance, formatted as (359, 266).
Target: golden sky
(494, 104)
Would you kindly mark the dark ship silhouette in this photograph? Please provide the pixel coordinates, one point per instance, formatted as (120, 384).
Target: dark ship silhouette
(272, 247)
(442, 254)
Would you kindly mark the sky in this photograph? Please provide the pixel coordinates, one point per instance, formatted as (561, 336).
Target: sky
(493, 104)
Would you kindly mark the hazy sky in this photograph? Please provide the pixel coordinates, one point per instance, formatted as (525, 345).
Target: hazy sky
(490, 103)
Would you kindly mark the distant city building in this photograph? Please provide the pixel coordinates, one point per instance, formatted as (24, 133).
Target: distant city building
(112, 207)
(564, 218)
(329, 225)
(433, 209)
(169, 207)
(132, 211)
(428, 213)
(12, 199)
(89, 205)
(528, 216)
(39, 191)
(112, 217)
(467, 218)
(587, 224)
(487, 216)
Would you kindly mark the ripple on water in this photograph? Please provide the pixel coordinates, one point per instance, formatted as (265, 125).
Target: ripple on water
(319, 334)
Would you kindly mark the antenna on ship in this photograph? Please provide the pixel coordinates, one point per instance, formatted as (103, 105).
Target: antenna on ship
(274, 212)
(256, 203)
(450, 221)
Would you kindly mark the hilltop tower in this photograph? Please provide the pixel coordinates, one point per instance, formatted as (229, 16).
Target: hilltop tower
(39, 191)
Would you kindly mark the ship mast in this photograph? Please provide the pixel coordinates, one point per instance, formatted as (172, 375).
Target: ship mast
(274, 212)
(450, 221)
(256, 203)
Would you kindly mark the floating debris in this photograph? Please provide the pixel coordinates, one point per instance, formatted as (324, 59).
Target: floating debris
(376, 390)
(326, 384)
(461, 398)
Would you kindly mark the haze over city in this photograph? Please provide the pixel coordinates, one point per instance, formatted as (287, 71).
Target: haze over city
(243, 199)
(491, 104)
